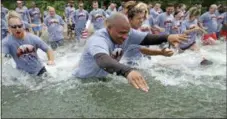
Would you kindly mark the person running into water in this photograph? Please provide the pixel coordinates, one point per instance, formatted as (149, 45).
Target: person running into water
(208, 21)
(23, 46)
(111, 9)
(221, 14)
(55, 25)
(97, 17)
(191, 28)
(69, 14)
(156, 11)
(224, 27)
(164, 21)
(178, 18)
(97, 60)
(80, 17)
(137, 15)
(23, 11)
(36, 19)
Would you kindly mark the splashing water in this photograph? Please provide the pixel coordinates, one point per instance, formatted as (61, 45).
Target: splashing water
(179, 87)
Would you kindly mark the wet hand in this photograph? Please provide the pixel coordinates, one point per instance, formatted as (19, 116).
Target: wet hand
(50, 62)
(175, 39)
(136, 80)
(167, 52)
(145, 28)
(162, 30)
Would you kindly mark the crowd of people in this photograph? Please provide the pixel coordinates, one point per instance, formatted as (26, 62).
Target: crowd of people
(123, 33)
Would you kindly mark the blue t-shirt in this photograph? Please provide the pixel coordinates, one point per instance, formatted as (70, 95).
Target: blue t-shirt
(165, 21)
(220, 20)
(209, 21)
(176, 27)
(187, 25)
(151, 21)
(4, 12)
(80, 18)
(35, 15)
(97, 17)
(69, 14)
(155, 13)
(55, 27)
(24, 52)
(24, 14)
(100, 42)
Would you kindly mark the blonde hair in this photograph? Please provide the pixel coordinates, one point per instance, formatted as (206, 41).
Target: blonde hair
(13, 14)
(49, 8)
(194, 12)
(142, 6)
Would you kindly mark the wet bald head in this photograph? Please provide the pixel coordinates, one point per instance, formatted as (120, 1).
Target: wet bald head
(117, 19)
(118, 27)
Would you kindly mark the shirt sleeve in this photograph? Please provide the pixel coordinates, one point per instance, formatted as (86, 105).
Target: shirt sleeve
(202, 18)
(61, 21)
(183, 27)
(41, 44)
(46, 21)
(5, 45)
(136, 37)
(98, 47)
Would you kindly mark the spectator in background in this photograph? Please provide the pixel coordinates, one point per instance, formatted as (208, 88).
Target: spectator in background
(23, 11)
(111, 8)
(208, 21)
(55, 26)
(36, 19)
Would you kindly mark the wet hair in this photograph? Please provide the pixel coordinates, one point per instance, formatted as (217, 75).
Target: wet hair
(133, 8)
(143, 7)
(194, 12)
(221, 9)
(129, 5)
(177, 12)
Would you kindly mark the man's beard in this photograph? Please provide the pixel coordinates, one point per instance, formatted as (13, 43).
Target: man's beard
(20, 34)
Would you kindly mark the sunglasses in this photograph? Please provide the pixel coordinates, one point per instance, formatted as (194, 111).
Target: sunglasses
(16, 26)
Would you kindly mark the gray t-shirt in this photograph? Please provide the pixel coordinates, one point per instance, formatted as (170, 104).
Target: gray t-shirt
(24, 52)
(100, 42)
(97, 17)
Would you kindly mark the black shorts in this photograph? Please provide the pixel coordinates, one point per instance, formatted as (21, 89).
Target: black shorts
(71, 27)
(42, 71)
